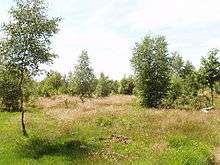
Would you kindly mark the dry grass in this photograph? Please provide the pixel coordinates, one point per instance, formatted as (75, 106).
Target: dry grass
(111, 130)
(67, 108)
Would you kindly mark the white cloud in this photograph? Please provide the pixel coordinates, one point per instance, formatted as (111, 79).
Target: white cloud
(160, 13)
(109, 52)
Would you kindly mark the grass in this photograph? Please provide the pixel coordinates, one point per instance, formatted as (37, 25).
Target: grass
(108, 131)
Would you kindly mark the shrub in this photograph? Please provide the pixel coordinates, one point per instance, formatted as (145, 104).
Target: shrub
(103, 87)
(126, 86)
(184, 88)
(114, 87)
(53, 84)
(10, 92)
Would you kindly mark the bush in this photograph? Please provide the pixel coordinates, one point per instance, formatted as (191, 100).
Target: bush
(103, 87)
(114, 87)
(10, 92)
(126, 86)
(53, 84)
(184, 89)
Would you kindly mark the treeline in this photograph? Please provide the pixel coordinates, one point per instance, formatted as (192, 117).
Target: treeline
(160, 79)
(82, 82)
(56, 84)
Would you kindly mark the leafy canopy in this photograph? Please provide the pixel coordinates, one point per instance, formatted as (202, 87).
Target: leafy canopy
(150, 62)
(27, 35)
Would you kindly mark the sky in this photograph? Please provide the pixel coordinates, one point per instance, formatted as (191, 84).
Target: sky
(109, 29)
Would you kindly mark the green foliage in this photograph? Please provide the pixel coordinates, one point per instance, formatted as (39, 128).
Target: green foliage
(9, 91)
(177, 64)
(184, 87)
(103, 87)
(126, 86)
(114, 86)
(179, 67)
(28, 33)
(150, 62)
(26, 42)
(210, 70)
(53, 84)
(82, 81)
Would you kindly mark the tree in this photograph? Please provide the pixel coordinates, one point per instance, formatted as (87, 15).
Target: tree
(210, 71)
(126, 86)
(27, 41)
(103, 87)
(83, 79)
(151, 67)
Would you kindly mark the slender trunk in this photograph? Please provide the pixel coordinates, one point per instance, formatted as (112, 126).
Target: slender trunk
(22, 103)
(212, 96)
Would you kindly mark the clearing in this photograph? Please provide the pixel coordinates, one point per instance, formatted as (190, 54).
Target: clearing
(111, 130)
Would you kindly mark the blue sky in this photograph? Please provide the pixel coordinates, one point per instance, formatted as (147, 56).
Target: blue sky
(108, 29)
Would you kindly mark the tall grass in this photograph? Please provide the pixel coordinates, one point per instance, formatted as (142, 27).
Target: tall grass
(108, 131)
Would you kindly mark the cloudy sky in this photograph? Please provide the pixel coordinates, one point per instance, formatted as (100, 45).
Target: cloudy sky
(108, 29)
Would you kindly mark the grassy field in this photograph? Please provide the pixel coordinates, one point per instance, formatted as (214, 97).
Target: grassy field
(108, 131)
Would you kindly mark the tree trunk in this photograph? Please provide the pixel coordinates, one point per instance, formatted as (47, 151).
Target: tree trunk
(212, 96)
(22, 103)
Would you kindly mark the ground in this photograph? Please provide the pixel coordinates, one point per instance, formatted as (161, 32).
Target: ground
(112, 130)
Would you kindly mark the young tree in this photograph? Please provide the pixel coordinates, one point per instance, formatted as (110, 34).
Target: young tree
(152, 72)
(27, 41)
(83, 79)
(103, 87)
(210, 71)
